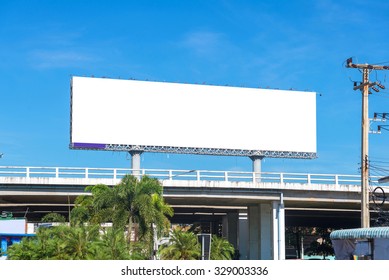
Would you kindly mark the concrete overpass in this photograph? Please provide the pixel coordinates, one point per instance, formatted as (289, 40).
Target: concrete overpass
(263, 203)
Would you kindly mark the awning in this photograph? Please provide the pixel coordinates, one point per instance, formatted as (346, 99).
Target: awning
(361, 233)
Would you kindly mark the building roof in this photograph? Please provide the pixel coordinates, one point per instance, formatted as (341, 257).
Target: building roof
(360, 233)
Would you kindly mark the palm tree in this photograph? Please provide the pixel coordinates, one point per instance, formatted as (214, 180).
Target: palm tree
(183, 245)
(149, 211)
(131, 203)
(71, 243)
(134, 205)
(111, 246)
(221, 249)
(53, 217)
(27, 249)
(78, 241)
(93, 208)
(46, 245)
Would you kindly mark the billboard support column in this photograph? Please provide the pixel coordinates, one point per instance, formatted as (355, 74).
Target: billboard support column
(135, 163)
(257, 162)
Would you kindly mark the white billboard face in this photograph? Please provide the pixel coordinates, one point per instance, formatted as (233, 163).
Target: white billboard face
(156, 116)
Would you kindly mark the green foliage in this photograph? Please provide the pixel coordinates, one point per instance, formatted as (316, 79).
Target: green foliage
(221, 249)
(71, 243)
(53, 218)
(112, 246)
(140, 250)
(27, 249)
(131, 204)
(183, 245)
(88, 207)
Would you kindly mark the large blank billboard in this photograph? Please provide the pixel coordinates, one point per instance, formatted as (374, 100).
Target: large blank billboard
(114, 114)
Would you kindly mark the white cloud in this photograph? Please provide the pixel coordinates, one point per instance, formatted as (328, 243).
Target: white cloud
(203, 43)
(58, 58)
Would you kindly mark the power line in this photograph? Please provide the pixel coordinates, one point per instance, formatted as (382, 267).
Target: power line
(380, 63)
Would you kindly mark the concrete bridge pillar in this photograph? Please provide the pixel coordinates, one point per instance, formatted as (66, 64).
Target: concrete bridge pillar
(230, 229)
(260, 232)
(266, 231)
(243, 235)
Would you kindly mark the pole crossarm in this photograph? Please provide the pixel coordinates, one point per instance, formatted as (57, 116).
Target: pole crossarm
(350, 64)
(369, 84)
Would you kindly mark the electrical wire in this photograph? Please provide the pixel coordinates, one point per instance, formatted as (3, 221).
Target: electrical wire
(380, 63)
(377, 161)
(377, 193)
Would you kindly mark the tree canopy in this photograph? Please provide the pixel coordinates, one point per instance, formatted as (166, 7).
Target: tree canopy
(183, 245)
(137, 213)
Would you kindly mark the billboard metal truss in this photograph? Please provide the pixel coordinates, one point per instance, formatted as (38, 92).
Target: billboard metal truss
(196, 151)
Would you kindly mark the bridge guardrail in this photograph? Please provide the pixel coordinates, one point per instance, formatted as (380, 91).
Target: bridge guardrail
(198, 175)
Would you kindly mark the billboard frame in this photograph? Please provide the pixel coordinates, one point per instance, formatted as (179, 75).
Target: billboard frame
(194, 151)
(128, 147)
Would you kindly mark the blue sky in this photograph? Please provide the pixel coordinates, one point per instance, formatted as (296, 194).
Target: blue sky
(278, 44)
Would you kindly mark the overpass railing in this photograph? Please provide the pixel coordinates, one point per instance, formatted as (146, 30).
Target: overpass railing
(170, 174)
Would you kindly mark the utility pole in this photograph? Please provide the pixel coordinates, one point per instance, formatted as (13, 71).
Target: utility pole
(364, 87)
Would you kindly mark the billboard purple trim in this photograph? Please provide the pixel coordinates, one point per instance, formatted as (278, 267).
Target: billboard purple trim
(88, 146)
